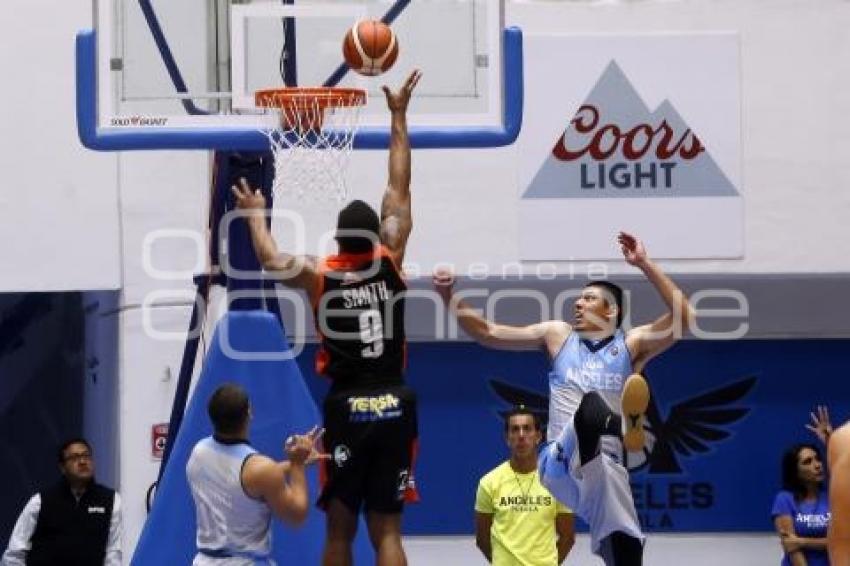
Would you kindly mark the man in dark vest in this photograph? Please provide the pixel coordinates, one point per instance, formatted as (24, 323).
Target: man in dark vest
(77, 522)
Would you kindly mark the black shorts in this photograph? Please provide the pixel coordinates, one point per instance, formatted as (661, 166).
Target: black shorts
(371, 436)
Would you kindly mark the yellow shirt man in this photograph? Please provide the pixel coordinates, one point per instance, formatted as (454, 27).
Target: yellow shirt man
(518, 522)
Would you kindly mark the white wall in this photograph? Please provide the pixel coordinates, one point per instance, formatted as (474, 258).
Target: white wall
(796, 100)
(59, 202)
(159, 191)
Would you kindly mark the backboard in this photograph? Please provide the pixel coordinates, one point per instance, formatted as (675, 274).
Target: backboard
(160, 74)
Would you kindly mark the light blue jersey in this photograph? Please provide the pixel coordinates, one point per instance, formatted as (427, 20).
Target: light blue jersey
(598, 491)
(233, 528)
(582, 366)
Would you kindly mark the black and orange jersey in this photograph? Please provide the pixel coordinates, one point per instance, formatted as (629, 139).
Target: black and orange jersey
(360, 318)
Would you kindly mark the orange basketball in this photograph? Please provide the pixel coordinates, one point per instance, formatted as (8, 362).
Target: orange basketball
(370, 47)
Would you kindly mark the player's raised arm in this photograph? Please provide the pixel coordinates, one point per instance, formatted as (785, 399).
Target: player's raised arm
(548, 334)
(292, 270)
(283, 485)
(652, 339)
(838, 536)
(396, 220)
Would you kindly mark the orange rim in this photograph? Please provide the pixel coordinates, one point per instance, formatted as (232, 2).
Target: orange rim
(297, 98)
(303, 108)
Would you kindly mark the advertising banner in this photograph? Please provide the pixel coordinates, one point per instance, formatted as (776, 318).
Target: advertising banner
(635, 133)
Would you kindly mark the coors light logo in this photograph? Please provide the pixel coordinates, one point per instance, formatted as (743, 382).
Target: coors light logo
(616, 147)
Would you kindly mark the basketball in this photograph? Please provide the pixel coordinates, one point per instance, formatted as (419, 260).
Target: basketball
(370, 47)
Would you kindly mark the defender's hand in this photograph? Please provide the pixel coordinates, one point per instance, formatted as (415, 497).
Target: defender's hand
(397, 101)
(444, 281)
(633, 251)
(246, 198)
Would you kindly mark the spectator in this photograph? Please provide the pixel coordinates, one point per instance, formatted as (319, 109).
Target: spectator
(516, 518)
(77, 521)
(801, 510)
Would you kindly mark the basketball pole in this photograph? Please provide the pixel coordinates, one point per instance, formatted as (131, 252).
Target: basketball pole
(289, 53)
(258, 170)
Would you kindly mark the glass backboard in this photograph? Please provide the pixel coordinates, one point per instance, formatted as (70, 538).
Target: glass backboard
(191, 68)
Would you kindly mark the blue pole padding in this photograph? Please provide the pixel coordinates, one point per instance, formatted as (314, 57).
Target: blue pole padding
(251, 139)
(245, 291)
(289, 66)
(248, 348)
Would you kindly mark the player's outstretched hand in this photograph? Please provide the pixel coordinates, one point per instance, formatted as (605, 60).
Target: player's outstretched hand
(247, 198)
(304, 448)
(444, 281)
(633, 251)
(397, 101)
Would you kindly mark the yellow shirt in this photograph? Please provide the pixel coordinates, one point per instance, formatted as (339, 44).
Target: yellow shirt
(523, 531)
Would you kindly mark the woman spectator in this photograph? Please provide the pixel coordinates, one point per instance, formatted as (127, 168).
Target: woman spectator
(801, 510)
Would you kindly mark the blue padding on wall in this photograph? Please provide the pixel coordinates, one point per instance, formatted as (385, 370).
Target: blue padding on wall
(250, 139)
(755, 394)
(281, 405)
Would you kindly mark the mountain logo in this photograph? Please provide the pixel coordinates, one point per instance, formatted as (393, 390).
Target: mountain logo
(690, 428)
(616, 147)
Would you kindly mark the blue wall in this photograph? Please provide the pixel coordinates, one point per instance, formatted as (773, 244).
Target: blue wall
(714, 466)
(42, 376)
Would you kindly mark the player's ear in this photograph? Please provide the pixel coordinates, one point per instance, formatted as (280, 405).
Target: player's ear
(613, 310)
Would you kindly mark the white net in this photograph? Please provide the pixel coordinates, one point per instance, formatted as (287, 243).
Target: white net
(313, 140)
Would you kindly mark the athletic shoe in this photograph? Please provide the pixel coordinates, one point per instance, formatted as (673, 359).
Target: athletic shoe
(634, 402)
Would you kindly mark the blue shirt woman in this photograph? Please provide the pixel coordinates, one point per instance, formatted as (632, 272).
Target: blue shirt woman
(811, 518)
(801, 510)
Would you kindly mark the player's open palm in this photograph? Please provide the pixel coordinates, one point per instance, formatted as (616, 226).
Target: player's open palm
(247, 198)
(633, 251)
(397, 100)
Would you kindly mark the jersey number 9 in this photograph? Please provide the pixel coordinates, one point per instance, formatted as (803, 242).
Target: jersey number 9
(371, 334)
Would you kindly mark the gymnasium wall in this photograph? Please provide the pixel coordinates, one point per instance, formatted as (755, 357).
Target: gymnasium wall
(42, 393)
(74, 219)
(68, 236)
(721, 416)
(59, 208)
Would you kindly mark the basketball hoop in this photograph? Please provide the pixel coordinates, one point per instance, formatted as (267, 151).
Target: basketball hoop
(312, 140)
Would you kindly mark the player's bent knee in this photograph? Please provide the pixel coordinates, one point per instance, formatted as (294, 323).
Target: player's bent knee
(591, 408)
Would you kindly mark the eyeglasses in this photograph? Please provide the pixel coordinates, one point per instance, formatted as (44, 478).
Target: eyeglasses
(79, 457)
